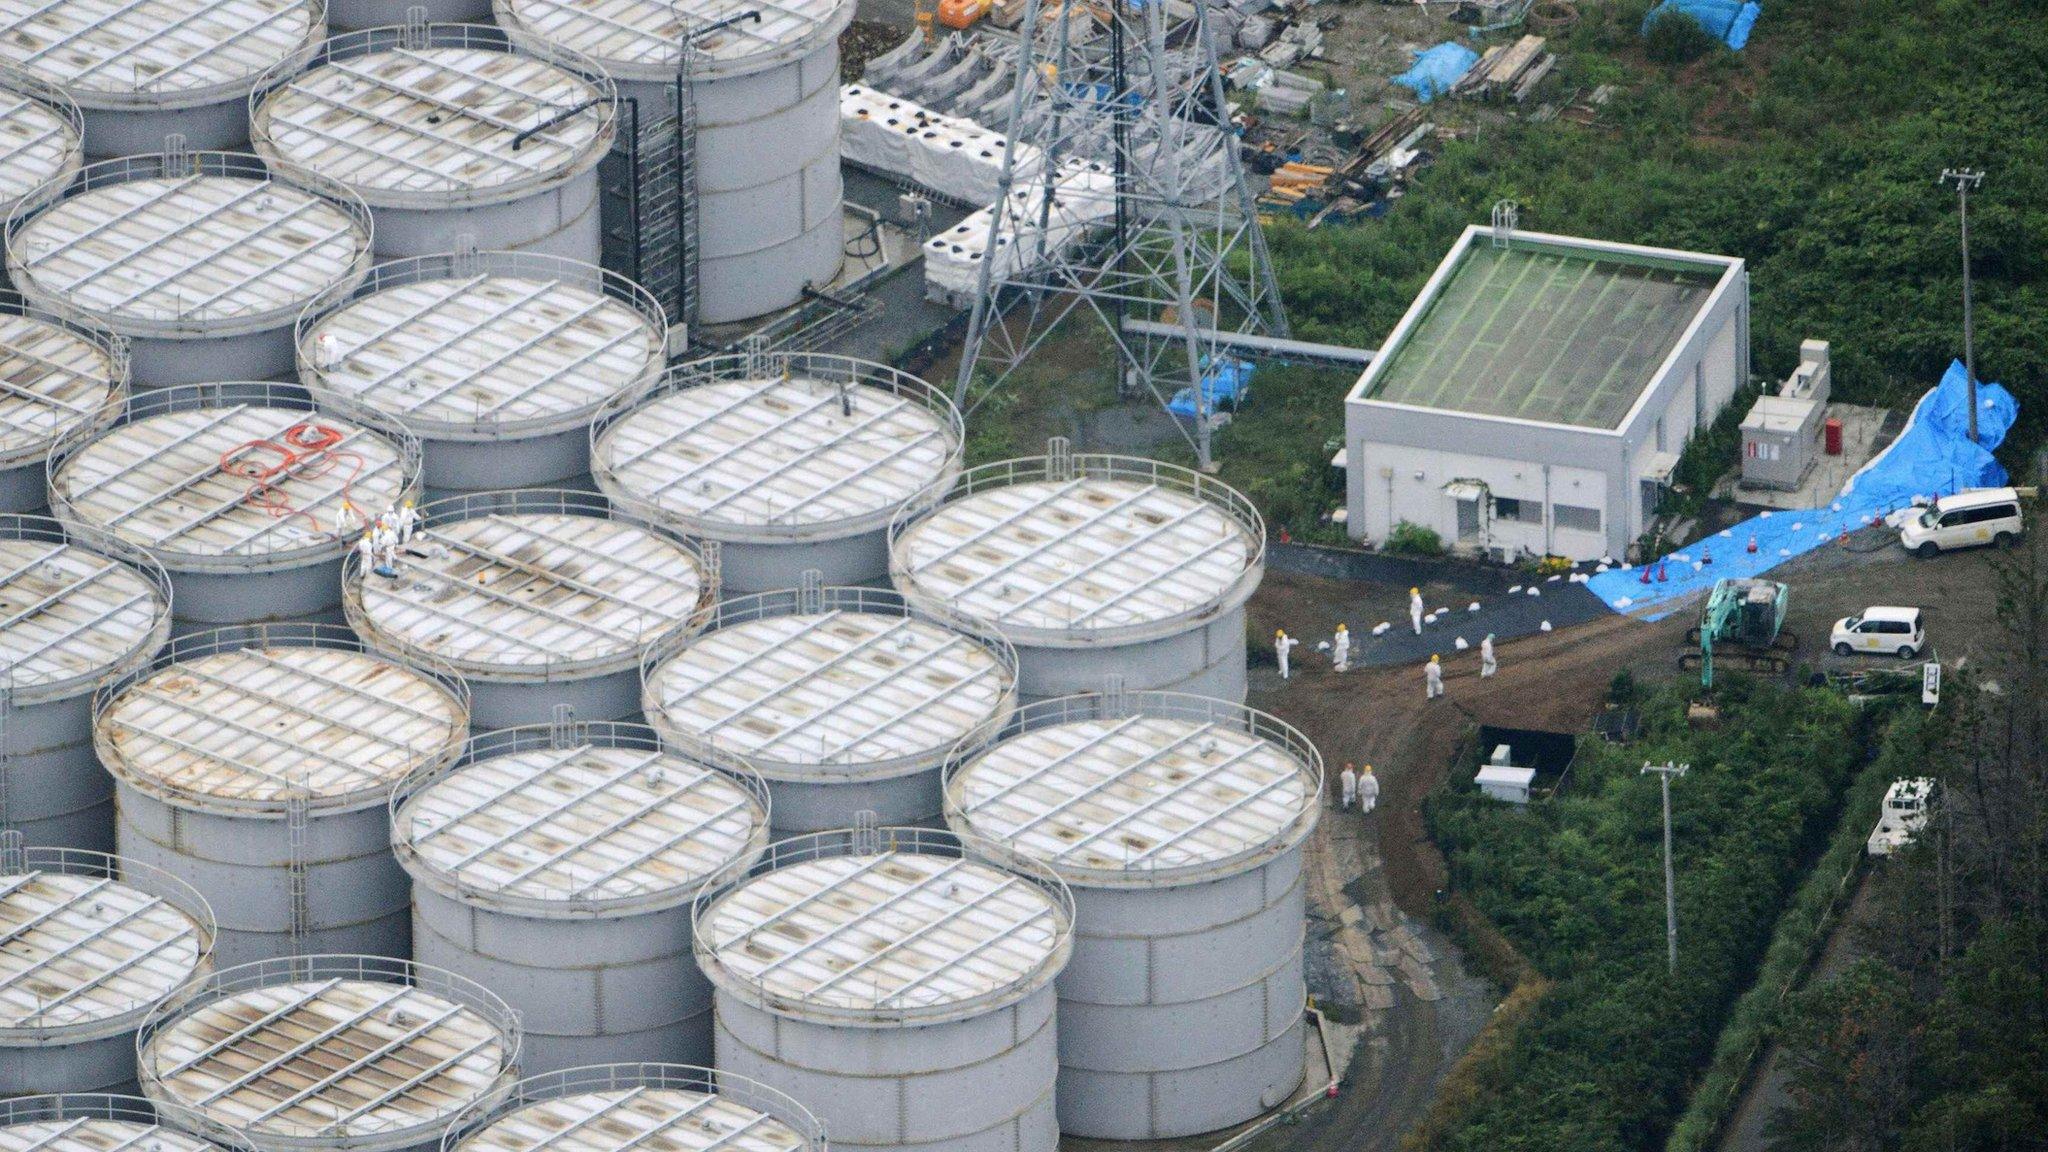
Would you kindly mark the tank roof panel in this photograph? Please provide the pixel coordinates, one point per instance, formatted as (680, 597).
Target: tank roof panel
(1135, 794)
(581, 823)
(67, 613)
(250, 725)
(647, 32)
(435, 119)
(334, 1057)
(883, 933)
(638, 1119)
(130, 50)
(485, 350)
(36, 143)
(1080, 554)
(83, 949)
(78, 1134)
(780, 452)
(532, 589)
(159, 482)
(192, 249)
(51, 380)
(831, 689)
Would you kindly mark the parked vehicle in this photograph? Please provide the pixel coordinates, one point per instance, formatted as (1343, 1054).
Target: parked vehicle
(1880, 628)
(1965, 520)
(1906, 807)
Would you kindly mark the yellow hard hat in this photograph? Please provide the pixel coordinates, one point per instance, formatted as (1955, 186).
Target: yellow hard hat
(408, 503)
(1279, 631)
(1343, 627)
(1433, 659)
(1415, 591)
(1368, 769)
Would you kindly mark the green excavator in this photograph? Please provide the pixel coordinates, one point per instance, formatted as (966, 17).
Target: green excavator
(1743, 626)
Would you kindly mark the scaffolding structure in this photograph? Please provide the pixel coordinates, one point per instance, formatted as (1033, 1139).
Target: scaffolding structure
(1122, 189)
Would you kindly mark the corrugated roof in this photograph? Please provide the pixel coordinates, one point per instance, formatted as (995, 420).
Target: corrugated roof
(892, 931)
(66, 613)
(251, 725)
(36, 143)
(824, 693)
(329, 1057)
(1135, 794)
(82, 949)
(158, 482)
(485, 351)
(194, 248)
(779, 452)
(530, 590)
(87, 1134)
(637, 1119)
(115, 48)
(1080, 554)
(581, 823)
(434, 119)
(647, 32)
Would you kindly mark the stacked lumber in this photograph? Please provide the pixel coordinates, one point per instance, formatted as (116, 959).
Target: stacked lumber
(1511, 70)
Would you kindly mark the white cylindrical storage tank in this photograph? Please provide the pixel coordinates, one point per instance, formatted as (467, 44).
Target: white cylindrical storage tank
(446, 131)
(94, 943)
(637, 1108)
(1093, 565)
(765, 92)
(497, 361)
(219, 747)
(328, 1053)
(537, 599)
(361, 15)
(247, 496)
(844, 699)
(1178, 822)
(55, 377)
(556, 864)
(92, 1122)
(42, 137)
(71, 618)
(141, 70)
(198, 258)
(791, 461)
(898, 987)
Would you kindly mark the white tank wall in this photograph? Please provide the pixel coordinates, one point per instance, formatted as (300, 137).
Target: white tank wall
(103, 1065)
(982, 1084)
(559, 460)
(357, 15)
(558, 221)
(748, 568)
(589, 989)
(1207, 660)
(111, 133)
(200, 357)
(769, 217)
(357, 897)
(1181, 1011)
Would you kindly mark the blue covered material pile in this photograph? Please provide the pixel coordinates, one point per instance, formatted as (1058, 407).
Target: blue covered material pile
(1436, 69)
(1229, 382)
(1729, 21)
(1933, 457)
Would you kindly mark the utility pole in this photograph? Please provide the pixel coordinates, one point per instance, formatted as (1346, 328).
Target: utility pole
(1665, 772)
(1966, 179)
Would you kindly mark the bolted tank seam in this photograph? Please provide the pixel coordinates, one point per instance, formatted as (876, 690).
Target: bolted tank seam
(1266, 905)
(779, 1057)
(1293, 958)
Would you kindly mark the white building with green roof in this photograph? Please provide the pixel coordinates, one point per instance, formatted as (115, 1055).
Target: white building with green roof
(1535, 398)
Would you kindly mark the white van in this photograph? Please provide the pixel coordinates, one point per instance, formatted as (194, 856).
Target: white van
(1964, 520)
(1899, 631)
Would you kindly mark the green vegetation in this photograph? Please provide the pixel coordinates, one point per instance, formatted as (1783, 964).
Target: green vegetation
(1606, 1059)
(1677, 38)
(1813, 154)
(1937, 1038)
(1413, 539)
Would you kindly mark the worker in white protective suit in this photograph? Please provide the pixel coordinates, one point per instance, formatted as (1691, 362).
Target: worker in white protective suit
(1349, 780)
(387, 550)
(1368, 791)
(1415, 609)
(348, 521)
(406, 521)
(1283, 644)
(1487, 664)
(1433, 677)
(366, 550)
(1340, 649)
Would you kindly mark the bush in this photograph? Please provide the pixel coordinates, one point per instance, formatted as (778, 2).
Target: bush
(1676, 38)
(1409, 539)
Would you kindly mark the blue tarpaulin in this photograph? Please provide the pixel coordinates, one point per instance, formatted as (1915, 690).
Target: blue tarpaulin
(1728, 21)
(1228, 382)
(1436, 69)
(1933, 457)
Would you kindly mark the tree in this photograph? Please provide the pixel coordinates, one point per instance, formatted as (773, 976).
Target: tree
(1853, 1043)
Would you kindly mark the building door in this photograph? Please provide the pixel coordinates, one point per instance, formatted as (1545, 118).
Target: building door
(1653, 496)
(1468, 519)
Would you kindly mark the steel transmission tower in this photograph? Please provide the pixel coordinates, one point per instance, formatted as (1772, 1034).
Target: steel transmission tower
(1121, 190)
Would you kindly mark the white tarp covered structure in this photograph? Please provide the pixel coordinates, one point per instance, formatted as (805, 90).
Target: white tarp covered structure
(1084, 198)
(902, 138)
